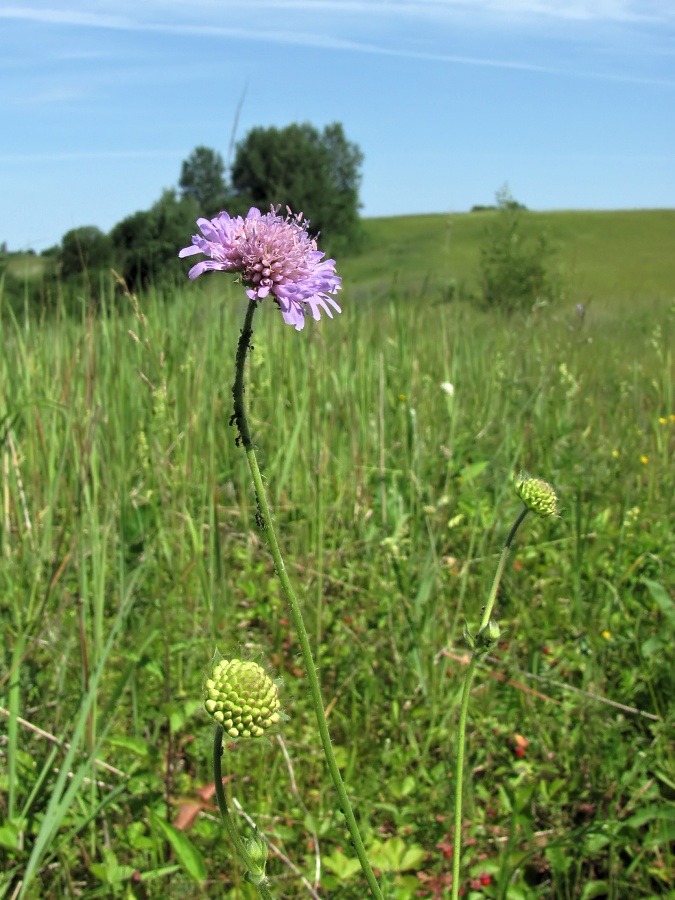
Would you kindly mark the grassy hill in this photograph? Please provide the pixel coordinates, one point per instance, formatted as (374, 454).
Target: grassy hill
(624, 255)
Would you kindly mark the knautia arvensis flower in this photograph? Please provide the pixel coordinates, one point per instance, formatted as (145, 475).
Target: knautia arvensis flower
(274, 255)
(537, 495)
(242, 698)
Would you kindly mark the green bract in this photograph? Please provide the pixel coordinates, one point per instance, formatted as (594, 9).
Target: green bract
(242, 698)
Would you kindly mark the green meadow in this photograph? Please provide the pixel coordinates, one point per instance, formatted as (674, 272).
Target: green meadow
(130, 551)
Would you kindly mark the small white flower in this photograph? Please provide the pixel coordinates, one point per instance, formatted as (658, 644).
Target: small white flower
(448, 388)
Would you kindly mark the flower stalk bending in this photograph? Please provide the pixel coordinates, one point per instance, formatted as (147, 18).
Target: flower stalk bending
(255, 868)
(538, 497)
(240, 419)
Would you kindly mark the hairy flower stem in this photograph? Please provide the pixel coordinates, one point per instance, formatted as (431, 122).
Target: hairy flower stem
(296, 614)
(478, 650)
(255, 874)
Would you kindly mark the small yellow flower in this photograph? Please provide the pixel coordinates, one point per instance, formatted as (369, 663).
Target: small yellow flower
(672, 417)
(644, 460)
(606, 634)
(663, 420)
(402, 397)
(615, 454)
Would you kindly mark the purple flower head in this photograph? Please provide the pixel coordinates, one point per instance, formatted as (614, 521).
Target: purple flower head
(275, 255)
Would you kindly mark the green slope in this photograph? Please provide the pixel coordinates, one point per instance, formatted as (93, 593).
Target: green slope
(627, 255)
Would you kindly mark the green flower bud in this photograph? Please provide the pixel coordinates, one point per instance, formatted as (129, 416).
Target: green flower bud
(257, 850)
(487, 637)
(242, 698)
(493, 631)
(537, 495)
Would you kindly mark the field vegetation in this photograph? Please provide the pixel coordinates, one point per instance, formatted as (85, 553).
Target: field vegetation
(388, 438)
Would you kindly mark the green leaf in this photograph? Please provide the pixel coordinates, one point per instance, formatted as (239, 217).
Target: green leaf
(186, 853)
(110, 871)
(505, 799)
(403, 788)
(595, 843)
(664, 778)
(649, 813)
(133, 744)
(474, 469)
(662, 598)
(342, 865)
(179, 715)
(412, 857)
(560, 861)
(9, 836)
(595, 889)
(394, 856)
(651, 645)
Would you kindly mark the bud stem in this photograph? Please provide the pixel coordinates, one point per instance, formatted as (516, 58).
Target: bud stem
(464, 708)
(296, 614)
(487, 612)
(256, 874)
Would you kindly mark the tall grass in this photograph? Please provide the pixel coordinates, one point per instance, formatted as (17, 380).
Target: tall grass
(130, 550)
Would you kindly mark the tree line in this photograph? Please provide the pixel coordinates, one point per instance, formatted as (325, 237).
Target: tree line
(314, 172)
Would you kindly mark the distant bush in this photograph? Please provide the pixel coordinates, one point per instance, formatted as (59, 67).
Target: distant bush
(515, 263)
(509, 202)
(202, 179)
(84, 250)
(146, 244)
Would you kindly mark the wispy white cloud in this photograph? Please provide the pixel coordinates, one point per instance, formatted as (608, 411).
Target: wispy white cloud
(123, 13)
(585, 10)
(50, 16)
(325, 40)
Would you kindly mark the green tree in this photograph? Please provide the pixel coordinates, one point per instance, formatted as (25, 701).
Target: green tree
(316, 173)
(146, 244)
(84, 250)
(515, 261)
(202, 179)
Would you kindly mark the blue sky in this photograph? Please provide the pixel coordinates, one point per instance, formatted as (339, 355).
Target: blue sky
(570, 102)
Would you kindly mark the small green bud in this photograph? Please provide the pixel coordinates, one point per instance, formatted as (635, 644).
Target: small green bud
(493, 631)
(242, 698)
(257, 850)
(537, 495)
(488, 636)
